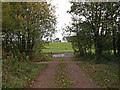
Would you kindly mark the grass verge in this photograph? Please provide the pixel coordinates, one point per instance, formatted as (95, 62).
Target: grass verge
(19, 74)
(61, 78)
(62, 59)
(104, 75)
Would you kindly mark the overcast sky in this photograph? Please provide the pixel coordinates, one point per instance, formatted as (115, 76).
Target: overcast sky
(63, 18)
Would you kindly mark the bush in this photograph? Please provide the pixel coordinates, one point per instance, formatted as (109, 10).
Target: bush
(104, 58)
(107, 58)
(43, 57)
(19, 74)
(86, 57)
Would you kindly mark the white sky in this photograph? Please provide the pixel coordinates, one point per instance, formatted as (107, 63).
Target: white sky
(63, 18)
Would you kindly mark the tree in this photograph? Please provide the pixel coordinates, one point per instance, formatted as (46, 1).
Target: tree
(98, 18)
(26, 25)
(56, 40)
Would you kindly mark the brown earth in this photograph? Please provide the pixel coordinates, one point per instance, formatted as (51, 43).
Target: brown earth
(47, 78)
(78, 77)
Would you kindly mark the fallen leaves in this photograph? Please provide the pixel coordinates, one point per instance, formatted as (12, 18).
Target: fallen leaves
(104, 75)
(61, 77)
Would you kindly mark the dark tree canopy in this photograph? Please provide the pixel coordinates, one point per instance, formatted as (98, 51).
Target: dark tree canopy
(100, 28)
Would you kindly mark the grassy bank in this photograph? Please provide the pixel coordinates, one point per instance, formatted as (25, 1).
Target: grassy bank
(62, 59)
(61, 78)
(58, 47)
(105, 75)
(19, 74)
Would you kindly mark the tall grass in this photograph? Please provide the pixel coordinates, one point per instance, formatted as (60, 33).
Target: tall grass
(19, 74)
(105, 73)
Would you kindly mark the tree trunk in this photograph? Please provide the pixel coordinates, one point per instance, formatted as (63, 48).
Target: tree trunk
(28, 44)
(98, 48)
(118, 43)
(114, 46)
(23, 43)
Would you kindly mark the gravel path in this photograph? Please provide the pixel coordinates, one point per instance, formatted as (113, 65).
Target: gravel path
(75, 73)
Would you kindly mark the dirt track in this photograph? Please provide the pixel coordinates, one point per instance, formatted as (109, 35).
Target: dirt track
(47, 78)
(75, 73)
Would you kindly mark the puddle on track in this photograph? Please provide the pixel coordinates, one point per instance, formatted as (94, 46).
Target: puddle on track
(62, 55)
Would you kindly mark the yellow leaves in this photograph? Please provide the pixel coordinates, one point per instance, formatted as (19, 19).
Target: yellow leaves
(19, 16)
(20, 24)
(15, 15)
(19, 5)
(35, 15)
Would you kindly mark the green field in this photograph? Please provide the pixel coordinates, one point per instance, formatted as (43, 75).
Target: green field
(62, 47)
(58, 47)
